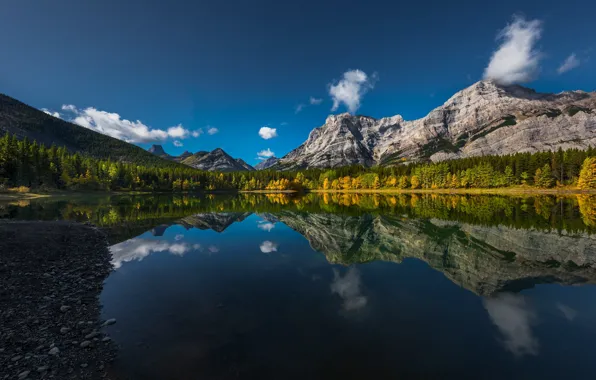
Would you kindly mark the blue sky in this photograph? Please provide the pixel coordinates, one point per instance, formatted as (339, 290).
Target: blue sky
(238, 66)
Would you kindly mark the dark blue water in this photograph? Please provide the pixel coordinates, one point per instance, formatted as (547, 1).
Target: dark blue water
(345, 286)
(255, 300)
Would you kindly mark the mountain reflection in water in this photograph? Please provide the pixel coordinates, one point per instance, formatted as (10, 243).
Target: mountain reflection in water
(345, 285)
(483, 259)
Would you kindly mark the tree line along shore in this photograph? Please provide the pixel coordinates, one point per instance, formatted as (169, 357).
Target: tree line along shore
(27, 166)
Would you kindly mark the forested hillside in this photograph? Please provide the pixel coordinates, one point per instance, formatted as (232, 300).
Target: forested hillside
(24, 121)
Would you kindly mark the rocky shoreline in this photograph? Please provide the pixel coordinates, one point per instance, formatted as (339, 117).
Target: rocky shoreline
(51, 276)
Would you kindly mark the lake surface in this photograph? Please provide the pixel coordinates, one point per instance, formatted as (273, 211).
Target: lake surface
(345, 286)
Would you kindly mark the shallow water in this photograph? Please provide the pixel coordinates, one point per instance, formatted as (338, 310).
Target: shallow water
(351, 286)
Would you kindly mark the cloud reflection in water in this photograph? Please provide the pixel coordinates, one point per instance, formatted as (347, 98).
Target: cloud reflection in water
(514, 318)
(348, 288)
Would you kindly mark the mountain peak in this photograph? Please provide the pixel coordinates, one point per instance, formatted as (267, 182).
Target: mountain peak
(266, 164)
(157, 150)
(216, 160)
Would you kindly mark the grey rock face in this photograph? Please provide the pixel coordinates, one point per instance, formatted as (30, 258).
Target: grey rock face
(216, 160)
(483, 119)
(266, 164)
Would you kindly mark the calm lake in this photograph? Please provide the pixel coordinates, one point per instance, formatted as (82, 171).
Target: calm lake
(345, 286)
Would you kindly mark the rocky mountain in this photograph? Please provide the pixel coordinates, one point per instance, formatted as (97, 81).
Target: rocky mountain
(25, 121)
(266, 164)
(245, 165)
(183, 156)
(160, 152)
(157, 150)
(483, 119)
(216, 160)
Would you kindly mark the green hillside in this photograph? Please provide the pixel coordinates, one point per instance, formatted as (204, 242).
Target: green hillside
(24, 121)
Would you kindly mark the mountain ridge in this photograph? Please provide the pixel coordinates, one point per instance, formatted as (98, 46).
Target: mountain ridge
(482, 119)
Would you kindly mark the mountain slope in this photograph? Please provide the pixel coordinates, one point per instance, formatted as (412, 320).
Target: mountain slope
(483, 119)
(246, 166)
(25, 121)
(266, 164)
(216, 160)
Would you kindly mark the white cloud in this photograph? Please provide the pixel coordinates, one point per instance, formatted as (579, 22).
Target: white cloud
(283, 123)
(178, 132)
(516, 60)
(315, 101)
(265, 153)
(348, 288)
(213, 249)
(351, 89)
(268, 246)
(197, 133)
(55, 114)
(514, 318)
(267, 133)
(179, 237)
(569, 64)
(212, 130)
(299, 108)
(266, 226)
(69, 107)
(138, 249)
(178, 143)
(112, 124)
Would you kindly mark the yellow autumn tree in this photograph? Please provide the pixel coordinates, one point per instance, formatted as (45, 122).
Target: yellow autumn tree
(415, 182)
(587, 208)
(587, 175)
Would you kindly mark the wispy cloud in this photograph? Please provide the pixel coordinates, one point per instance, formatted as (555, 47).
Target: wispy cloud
(517, 59)
(265, 153)
(570, 63)
(197, 133)
(178, 143)
(267, 133)
(212, 130)
(312, 101)
(315, 101)
(351, 89)
(69, 107)
(55, 114)
(112, 124)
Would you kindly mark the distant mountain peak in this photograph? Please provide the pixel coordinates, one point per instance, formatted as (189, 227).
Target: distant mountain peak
(216, 160)
(157, 150)
(266, 164)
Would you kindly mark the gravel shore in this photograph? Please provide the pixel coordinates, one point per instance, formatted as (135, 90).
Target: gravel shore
(51, 276)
